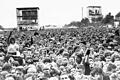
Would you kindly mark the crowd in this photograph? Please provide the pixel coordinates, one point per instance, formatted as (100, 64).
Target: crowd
(61, 54)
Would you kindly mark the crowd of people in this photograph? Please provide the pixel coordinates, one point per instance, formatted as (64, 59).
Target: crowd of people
(61, 54)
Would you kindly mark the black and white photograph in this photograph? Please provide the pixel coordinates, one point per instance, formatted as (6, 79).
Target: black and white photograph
(59, 40)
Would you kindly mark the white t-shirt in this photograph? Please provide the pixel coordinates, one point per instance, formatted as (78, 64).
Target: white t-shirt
(53, 78)
(81, 77)
(13, 48)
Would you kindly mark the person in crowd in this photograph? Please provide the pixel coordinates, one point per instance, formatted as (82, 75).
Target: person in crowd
(98, 74)
(60, 54)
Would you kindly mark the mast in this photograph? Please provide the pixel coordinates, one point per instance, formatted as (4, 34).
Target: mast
(82, 12)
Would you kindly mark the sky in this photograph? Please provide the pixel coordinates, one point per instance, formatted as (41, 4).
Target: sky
(54, 12)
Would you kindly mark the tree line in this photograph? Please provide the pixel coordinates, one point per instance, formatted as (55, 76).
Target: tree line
(108, 19)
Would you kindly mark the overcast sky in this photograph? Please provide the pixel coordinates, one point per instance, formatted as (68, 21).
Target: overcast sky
(55, 12)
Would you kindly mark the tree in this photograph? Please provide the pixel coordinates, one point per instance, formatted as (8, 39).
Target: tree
(117, 15)
(15, 29)
(99, 19)
(93, 20)
(20, 28)
(74, 23)
(109, 19)
(85, 22)
(1, 27)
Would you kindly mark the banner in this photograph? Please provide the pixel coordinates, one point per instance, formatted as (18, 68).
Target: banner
(29, 15)
(94, 11)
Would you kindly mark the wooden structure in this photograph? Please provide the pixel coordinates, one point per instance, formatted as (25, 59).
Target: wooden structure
(27, 18)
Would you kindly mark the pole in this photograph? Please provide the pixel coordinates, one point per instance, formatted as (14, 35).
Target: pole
(82, 12)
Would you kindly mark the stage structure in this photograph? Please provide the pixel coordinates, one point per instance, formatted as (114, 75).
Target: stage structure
(94, 12)
(27, 18)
